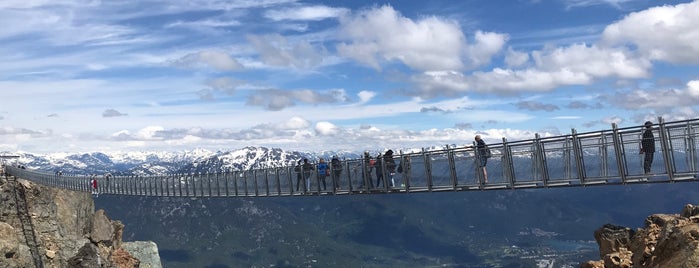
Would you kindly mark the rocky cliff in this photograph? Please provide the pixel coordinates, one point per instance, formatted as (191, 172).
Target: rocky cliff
(665, 241)
(49, 227)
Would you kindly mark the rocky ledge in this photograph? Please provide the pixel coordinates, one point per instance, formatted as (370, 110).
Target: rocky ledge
(49, 227)
(665, 241)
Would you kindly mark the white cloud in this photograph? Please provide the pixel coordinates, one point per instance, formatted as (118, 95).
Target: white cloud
(576, 64)
(667, 33)
(485, 47)
(311, 13)
(326, 129)
(295, 123)
(382, 34)
(149, 133)
(516, 58)
(214, 59)
(277, 50)
(365, 96)
(592, 60)
(587, 3)
(656, 99)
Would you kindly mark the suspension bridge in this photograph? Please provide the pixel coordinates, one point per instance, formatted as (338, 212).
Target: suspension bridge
(605, 157)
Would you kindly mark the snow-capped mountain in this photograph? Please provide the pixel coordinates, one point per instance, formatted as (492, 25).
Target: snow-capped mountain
(149, 163)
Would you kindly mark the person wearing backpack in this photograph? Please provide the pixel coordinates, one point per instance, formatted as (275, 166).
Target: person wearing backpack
(482, 154)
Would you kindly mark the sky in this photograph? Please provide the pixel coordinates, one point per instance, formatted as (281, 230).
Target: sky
(178, 75)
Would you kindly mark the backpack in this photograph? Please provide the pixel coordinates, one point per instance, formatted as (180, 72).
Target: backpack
(400, 168)
(488, 154)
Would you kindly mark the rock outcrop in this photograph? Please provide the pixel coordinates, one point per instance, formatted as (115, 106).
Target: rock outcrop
(665, 241)
(51, 227)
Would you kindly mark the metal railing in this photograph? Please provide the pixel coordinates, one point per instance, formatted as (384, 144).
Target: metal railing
(578, 159)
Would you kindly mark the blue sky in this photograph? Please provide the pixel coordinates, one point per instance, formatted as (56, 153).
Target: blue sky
(83, 76)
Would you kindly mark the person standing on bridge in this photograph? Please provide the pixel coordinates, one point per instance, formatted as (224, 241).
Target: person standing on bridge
(307, 168)
(299, 175)
(390, 165)
(336, 166)
(481, 156)
(404, 170)
(93, 184)
(322, 172)
(648, 147)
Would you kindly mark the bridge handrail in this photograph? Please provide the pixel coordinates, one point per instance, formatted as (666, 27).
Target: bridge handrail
(576, 159)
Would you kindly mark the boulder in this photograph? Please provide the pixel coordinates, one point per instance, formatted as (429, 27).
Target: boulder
(611, 238)
(87, 257)
(665, 241)
(122, 259)
(102, 228)
(145, 251)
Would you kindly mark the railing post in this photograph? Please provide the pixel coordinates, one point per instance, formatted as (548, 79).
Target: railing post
(218, 184)
(691, 148)
(254, 181)
(618, 152)
(225, 178)
(578, 153)
(541, 159)
(266, 170)
(508, 166)
(666, 147)
(279, 182)
(428, 169)
(452, 167)
(208, 180)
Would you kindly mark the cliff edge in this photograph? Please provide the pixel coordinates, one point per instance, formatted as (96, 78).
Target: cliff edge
(50, 227)
(665, 241)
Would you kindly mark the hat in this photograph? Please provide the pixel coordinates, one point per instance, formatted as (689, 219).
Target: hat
(648, 123)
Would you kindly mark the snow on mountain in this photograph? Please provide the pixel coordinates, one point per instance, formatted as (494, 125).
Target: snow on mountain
(149, 163)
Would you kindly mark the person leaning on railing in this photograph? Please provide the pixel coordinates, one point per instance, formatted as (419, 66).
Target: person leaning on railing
(648, 147)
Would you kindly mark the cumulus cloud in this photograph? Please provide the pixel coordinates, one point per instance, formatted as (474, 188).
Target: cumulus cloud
(276, 99)
(593, 61)
(515, 58)
(217, 60)
(486, 45)
(535, 106)
(326, 129)
(305, 13)
(382, 34)
(365, 96)
(656, 99)
(667, 33)
(112, 113)
(577, 64)
(277, 50)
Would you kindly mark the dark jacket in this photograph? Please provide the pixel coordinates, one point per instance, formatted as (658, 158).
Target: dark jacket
(648, 141)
